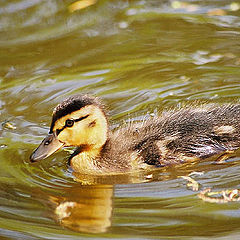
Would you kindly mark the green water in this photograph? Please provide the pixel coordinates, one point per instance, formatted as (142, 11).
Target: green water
(140, 57)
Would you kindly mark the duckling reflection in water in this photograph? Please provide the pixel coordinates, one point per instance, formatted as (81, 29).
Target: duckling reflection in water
(85, 209)
(176, 136)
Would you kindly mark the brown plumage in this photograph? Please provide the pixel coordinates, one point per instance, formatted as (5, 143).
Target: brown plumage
(176, 136)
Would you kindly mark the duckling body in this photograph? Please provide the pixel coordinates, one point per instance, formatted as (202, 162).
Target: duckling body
(177, 136)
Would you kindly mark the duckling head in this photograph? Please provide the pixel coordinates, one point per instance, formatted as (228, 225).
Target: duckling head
(78, 121)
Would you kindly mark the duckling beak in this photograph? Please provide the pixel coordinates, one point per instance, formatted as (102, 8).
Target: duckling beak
(48, 146)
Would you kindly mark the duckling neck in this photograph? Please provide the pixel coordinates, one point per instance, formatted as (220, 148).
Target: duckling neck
(86, 158)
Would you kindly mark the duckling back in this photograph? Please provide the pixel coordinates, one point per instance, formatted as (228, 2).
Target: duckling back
(178, 136)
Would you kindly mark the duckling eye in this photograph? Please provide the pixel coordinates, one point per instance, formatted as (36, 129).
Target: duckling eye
(69, 123)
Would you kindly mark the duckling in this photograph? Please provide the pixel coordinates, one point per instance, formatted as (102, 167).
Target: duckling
(176, 136)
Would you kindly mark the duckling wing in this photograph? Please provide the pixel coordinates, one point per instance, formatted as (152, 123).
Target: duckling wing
(204, 147)
(170, 150)
(190, 134)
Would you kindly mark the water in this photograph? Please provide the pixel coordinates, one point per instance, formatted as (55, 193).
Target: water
(140, 57)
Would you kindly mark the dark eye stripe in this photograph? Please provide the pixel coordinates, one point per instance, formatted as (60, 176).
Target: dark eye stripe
(81, 118)
(75, 120)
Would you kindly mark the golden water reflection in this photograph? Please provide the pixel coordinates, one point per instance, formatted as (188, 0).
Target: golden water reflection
(87, 205)
(85, 209)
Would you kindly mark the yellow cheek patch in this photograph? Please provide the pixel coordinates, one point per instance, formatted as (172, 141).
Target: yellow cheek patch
(91, 130)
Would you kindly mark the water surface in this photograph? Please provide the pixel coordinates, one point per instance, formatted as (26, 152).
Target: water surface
(140, 57)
